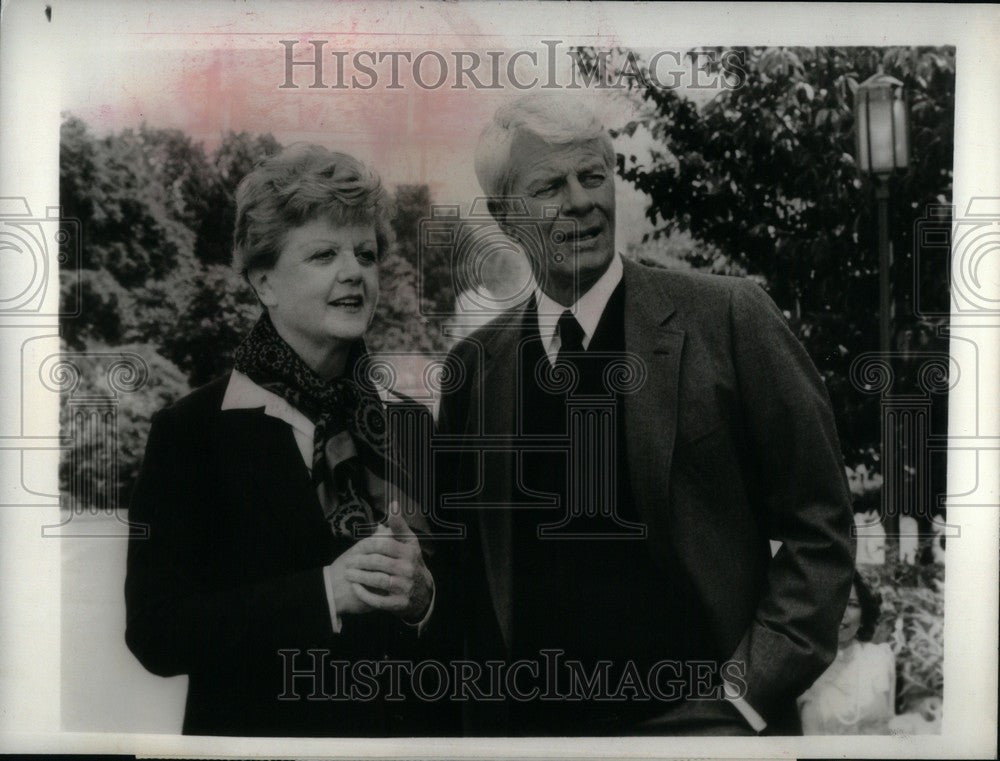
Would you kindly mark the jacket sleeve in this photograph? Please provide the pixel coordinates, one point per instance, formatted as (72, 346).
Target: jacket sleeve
(806, 505)
(180, 618)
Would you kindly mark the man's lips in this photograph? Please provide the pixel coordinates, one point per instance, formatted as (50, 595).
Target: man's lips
(585, 234)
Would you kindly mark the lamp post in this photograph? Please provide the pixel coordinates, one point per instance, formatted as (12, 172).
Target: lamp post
(881, 117)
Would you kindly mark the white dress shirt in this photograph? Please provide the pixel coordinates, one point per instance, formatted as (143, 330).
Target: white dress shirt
(243, 393)
(588, 311)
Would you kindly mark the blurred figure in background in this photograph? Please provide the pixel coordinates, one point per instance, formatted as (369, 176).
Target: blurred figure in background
(856, 694)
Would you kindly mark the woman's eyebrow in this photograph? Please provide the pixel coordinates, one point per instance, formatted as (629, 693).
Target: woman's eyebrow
(316, 247)
(336, 245)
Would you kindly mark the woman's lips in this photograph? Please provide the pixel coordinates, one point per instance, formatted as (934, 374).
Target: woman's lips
(349, 303)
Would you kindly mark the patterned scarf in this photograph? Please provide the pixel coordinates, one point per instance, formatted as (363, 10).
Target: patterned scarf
(351, 455)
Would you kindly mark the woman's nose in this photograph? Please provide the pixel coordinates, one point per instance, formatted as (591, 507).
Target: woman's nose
(576, 199)
(350, 268)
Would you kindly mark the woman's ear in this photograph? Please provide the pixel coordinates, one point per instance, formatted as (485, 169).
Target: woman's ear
(261, 284)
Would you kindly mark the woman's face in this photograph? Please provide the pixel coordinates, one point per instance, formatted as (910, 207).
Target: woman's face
(322, 291)
(851, 622)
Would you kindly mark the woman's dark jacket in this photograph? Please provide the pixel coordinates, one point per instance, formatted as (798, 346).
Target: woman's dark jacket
(225, 584)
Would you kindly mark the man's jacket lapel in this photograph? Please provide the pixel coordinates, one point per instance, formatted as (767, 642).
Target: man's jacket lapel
(651, 410)
(497, 395)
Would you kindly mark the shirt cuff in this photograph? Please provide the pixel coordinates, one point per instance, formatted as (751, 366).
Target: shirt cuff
(754, 719)
(328, 583)
(427, 616)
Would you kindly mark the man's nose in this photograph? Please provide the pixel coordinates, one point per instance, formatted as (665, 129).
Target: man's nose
(576, 198)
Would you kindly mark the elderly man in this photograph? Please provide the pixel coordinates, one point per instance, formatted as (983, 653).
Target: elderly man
(658, 522)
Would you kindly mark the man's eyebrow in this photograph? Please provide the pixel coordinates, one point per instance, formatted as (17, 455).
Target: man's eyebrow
(550, 177)
(540, 178)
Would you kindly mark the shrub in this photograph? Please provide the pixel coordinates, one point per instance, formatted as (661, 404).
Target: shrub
(100, 468)
(912, 622)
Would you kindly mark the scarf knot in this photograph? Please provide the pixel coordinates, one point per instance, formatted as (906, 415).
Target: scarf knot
(352, 457)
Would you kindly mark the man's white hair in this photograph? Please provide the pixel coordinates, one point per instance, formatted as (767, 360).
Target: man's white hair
(555, 118)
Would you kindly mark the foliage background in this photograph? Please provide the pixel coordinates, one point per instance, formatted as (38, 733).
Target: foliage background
(763, 182)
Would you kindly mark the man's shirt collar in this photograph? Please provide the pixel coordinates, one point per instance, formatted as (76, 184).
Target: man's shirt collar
(587, 310)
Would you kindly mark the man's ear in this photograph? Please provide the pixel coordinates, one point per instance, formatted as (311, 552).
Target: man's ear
(499, 213)
(261, 284)
(505, 226)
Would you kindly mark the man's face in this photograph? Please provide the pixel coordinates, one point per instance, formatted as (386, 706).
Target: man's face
(580, 238)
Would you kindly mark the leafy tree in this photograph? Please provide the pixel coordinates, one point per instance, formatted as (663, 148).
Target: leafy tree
(399, 324)
(78, 161)
(436, 279)
(157, 305)
(182, 169)
(412, 204)
(88, 461)
(219, 311)
(764, 175)
(106, 304)
(116, 189)
(237, 155)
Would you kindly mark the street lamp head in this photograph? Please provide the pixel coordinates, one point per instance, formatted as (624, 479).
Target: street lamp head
(882, 120)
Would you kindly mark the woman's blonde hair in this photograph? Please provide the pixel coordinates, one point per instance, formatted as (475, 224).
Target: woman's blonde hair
(301, 183)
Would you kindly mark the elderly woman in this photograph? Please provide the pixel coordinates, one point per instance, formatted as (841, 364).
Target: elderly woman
(274, 561)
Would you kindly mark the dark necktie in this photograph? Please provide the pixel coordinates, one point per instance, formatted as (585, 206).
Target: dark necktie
(570, 337)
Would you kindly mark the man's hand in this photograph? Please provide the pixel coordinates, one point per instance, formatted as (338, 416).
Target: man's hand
(387, 570)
